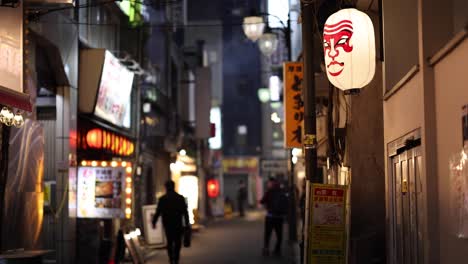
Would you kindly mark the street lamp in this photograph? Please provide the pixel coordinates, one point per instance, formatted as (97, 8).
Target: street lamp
(268, 42)
(253, 27)
(264, 95)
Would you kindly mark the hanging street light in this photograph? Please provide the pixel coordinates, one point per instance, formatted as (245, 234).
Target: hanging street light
(253, 27)
(268, 42)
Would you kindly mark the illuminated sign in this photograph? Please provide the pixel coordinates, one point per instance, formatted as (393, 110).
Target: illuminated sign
(188, 187)
(293, 104)
(212, 187)
(113, 99)
(135, 11)
(240, 164)
(215, 118)
(12, 62)
(104, 189)
(101, 139)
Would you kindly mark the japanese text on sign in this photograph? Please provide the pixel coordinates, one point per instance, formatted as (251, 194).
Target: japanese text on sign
(327, 231)
(293, 104)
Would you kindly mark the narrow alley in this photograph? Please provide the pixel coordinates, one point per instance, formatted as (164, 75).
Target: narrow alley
(230, 241)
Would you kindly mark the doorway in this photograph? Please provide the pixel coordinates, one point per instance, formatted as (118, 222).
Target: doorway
(231, 185)
(405, 190)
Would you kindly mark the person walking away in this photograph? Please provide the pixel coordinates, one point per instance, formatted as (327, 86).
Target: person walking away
(241, 197)
(276, 204)
(173, 209)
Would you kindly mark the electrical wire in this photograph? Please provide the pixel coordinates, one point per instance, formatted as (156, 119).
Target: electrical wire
(96, 4)
(167, 25)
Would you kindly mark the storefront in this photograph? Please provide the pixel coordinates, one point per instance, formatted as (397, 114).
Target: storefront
(245, 169)
(106, 150)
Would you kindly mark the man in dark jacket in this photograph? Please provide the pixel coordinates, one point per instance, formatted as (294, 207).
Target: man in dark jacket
(276, 205)
(241, 198)
(173, 209)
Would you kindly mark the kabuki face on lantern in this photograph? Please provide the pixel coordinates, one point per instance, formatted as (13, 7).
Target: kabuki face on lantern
(337, 47)
(349, 49)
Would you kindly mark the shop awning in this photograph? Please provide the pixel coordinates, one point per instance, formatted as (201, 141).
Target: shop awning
(48, 62)
(15, 99)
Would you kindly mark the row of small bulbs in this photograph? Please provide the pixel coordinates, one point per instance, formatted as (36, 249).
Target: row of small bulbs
(8, 118)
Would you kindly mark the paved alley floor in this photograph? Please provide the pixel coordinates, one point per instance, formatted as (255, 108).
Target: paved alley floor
(233, 241)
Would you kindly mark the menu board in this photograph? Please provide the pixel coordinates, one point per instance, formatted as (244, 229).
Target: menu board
(100, 192)
(327, 231)
(113, 100)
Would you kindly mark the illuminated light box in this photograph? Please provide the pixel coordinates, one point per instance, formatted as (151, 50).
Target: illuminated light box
(13, 77)
(104, 189)
(215, 118)
(188, 187)
(105, 87)
(349, 49)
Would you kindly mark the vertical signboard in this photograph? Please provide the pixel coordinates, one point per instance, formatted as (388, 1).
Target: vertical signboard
(293, 104)
(11, 48)
(203, 102)
(327, 242)
(11, 58)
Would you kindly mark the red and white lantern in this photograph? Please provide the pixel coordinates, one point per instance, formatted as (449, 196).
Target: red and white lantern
(349, 49)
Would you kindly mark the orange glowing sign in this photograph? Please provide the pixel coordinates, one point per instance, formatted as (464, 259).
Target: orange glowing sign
(101, 139)
(293, 104)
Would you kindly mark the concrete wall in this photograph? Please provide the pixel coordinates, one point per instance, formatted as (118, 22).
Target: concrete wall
(365, 142)
(430, 98)
(451, 94)
(403, 112)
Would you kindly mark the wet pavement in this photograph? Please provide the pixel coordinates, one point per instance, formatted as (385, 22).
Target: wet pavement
(231, 241)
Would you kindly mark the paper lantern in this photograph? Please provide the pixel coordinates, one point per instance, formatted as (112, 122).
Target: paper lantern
(349, 49)
(94, 138)
(212, 187)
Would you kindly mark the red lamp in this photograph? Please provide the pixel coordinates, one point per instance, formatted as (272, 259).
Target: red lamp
(213, 188)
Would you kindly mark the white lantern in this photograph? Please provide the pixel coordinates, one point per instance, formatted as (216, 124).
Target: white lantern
(268, 43)
(349, 49)
(253, 27)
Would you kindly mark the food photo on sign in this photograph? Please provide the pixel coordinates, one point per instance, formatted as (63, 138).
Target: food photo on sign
(100, 192)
